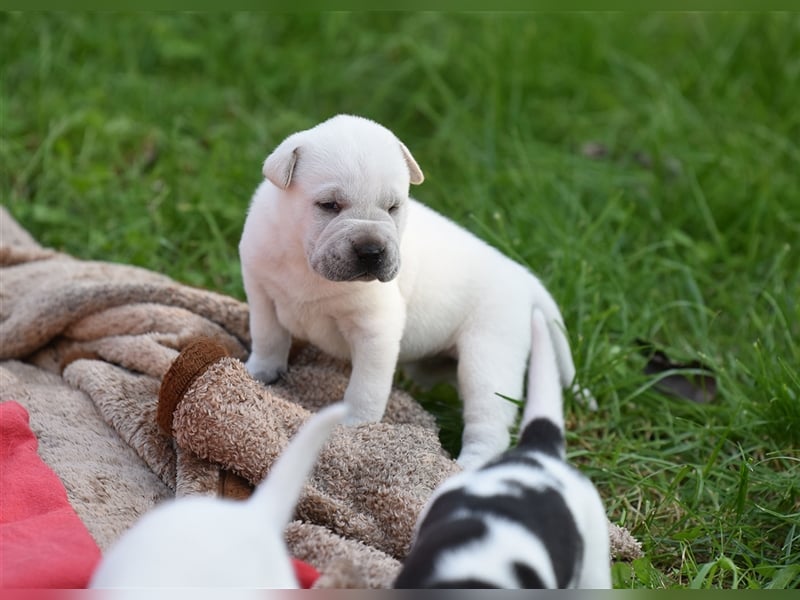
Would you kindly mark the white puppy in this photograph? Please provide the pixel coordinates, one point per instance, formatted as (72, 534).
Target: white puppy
(209, 542)
(335, 252)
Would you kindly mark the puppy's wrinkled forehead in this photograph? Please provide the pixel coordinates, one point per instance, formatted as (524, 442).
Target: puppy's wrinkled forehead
(359, 155)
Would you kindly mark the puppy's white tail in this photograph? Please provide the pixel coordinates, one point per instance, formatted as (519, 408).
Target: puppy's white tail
(545, 400)
(277, 495)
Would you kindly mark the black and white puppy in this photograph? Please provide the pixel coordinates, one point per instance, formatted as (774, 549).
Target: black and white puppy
(527, 519)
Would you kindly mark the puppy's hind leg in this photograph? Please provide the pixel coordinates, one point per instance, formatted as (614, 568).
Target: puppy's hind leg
(487, 368)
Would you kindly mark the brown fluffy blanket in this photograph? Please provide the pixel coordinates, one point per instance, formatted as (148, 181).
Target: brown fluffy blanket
(85, 346)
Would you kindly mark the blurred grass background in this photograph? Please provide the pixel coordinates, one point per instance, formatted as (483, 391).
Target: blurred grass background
(644, 165)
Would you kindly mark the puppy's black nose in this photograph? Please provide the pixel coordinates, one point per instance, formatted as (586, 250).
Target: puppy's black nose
(369, 253)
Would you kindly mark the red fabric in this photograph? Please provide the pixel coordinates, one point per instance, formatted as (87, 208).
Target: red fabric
(43, 542)
(306, 574)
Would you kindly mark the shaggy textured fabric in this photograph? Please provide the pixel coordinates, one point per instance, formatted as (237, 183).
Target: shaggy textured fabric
(107, 483)
(85, 347)
(370, 481)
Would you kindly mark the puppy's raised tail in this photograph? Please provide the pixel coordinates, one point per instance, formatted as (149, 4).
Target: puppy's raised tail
(542, 425)
(276, 497)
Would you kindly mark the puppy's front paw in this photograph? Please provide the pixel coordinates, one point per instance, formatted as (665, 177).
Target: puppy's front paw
(355, 418)
(264, 370)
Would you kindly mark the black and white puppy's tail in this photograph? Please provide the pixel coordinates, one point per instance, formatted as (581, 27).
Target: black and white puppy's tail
(277, 495)
(542, 425)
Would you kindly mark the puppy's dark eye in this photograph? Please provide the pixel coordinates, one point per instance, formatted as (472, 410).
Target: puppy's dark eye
(393, 208)
(330, 206)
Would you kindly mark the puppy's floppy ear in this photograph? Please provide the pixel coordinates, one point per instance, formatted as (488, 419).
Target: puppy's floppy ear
(279, 166)
(413, 168)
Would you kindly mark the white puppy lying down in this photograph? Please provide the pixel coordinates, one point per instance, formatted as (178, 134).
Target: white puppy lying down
(335, 252)
(211, 542)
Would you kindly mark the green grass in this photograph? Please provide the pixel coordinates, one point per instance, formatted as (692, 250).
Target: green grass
(139, 138)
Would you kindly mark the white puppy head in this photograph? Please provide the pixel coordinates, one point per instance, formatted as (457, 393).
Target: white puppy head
(346, 181)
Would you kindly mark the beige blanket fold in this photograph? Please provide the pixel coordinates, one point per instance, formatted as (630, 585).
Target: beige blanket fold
(88, 346)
